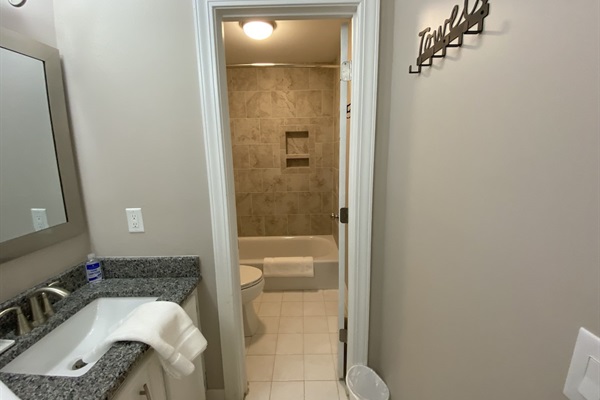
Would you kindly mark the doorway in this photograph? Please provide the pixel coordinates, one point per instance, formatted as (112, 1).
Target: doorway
(210, 15)
(285, 102)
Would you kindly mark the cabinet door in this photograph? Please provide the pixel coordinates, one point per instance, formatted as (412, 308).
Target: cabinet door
(191, 387)
(145, 382)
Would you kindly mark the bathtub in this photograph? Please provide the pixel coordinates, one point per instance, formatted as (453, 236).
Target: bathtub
(323, 249)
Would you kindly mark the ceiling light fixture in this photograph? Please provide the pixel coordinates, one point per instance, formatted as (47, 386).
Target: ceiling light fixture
(258, 30)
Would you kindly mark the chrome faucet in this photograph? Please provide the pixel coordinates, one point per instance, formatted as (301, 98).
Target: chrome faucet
(39, 316)
(23, 324)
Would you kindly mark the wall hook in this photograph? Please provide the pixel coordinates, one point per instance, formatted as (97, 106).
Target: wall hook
(433, 43)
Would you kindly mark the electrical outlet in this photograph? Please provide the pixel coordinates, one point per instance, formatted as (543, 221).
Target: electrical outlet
(39, 218)
(134, 219)
(583, 379)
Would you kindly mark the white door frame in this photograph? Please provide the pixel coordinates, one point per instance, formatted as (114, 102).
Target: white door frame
(342, 196)
(215, 112)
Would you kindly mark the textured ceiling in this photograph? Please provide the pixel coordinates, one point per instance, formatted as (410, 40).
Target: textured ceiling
(295, 42)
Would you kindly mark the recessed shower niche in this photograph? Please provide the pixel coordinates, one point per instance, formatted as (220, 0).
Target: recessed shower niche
(296, 149)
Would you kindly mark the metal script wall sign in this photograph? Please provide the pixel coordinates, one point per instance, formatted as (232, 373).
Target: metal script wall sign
(434, 44)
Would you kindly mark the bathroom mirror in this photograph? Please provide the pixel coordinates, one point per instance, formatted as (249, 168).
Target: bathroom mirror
(40, 202)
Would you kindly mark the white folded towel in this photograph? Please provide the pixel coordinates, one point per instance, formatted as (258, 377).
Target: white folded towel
(288, 267)
(167, 328)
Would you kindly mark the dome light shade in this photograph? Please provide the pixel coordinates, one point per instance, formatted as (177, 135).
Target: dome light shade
(258, 30)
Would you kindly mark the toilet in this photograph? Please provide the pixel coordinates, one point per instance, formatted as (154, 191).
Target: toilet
(252, 281)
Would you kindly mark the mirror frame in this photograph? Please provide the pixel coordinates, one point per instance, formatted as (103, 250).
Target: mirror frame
(76, 223)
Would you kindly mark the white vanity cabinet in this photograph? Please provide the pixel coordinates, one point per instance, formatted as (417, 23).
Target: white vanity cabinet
(191, 387)
(148, 381)
(145, 382)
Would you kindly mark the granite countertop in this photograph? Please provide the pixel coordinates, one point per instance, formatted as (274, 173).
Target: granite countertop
(104, 378)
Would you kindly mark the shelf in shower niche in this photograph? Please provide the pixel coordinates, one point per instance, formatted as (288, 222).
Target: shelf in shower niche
(297, 162)
(296, 156)
(296, 149)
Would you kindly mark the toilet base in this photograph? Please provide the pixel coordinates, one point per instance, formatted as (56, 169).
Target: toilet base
(250, 319)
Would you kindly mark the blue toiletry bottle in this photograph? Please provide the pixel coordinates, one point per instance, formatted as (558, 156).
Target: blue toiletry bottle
(93, 269)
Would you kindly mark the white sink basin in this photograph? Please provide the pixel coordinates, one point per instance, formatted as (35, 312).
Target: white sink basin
(56, 353)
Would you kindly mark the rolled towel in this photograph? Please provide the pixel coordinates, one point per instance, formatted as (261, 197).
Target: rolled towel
(288, 267)
(164, 326)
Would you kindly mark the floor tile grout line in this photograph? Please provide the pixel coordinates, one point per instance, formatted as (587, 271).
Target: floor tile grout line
(332, 353)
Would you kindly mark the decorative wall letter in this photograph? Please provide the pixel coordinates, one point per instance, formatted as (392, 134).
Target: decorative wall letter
(433, 44)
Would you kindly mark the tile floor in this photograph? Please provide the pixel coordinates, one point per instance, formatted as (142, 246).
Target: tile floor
(293, 355)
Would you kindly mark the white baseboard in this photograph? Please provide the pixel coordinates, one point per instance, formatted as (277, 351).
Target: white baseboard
(215, 394)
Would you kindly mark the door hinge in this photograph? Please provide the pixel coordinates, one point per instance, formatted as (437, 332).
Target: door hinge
(344, 215)
(346, 71)
(344, 335)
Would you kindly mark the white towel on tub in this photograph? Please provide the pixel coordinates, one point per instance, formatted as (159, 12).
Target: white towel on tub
(288, 267)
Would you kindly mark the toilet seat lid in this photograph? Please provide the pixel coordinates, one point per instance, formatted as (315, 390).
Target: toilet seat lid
(249, 276)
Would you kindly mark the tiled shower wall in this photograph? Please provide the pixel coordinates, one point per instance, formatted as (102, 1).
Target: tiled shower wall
(275, 197)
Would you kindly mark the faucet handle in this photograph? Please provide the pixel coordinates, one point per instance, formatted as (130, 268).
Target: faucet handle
(38, 317)
(47, 306)
(48, 309)
(22, 323)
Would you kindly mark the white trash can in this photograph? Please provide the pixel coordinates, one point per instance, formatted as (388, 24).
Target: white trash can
(364, 384)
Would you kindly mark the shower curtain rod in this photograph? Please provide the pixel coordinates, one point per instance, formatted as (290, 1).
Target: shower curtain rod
(290, 65)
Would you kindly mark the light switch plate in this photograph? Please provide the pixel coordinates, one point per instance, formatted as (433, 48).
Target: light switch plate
(39, 218)
(583, 379)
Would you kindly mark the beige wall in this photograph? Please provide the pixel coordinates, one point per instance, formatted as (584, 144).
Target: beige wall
(485, 256)
(273, 197)
(131, 77)
(36, 20)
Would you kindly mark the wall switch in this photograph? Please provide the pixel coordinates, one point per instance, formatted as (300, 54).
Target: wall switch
(134, 219)
(39, 218)
(583, 379)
